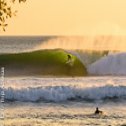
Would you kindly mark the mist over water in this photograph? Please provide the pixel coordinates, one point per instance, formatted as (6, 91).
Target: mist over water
(98, 43)
(16, 44)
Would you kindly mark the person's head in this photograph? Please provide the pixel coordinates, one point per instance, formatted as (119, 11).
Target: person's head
(68, 55)
(96, 108)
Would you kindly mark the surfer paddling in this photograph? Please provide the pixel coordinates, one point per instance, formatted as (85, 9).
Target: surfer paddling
(97, 111)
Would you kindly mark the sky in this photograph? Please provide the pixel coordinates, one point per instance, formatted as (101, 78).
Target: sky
(69, 17)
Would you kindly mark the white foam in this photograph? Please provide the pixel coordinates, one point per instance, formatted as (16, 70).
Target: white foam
(113, 64)
(63, 93)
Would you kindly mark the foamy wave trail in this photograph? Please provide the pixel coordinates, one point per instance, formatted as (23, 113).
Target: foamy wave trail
(114, 64)
(65, 93)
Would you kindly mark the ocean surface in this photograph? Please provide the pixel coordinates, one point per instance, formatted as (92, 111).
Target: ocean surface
(68, 101)
(65, 101)
(16, 44)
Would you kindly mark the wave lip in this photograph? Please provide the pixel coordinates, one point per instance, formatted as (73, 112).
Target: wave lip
(114, 64)
(65, 93)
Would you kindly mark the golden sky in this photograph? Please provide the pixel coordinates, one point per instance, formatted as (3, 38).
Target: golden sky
(69, 17)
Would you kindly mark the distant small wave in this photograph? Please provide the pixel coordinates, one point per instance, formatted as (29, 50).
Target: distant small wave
(65, 93)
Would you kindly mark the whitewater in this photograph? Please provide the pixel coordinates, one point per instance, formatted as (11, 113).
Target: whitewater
(65, 101)
(113, 64)
(65, 89)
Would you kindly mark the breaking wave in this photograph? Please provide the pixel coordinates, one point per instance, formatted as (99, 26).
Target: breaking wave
(65, 93)
(113, 64)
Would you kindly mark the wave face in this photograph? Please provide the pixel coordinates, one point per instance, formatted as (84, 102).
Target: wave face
(43, 62)
(114, 64)
(66, 89)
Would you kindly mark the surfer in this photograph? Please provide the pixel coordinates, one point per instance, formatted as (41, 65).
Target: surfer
(70, 60)
(69, 57)
(97, 111)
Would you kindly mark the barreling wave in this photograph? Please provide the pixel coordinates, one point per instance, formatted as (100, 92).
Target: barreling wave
(65, 93)
(88, 57)
(42, 62)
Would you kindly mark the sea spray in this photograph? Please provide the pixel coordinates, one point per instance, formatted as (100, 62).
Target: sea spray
(99, 43)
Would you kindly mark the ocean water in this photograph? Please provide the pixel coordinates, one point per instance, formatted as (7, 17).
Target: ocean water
(65, 101)
(70, 101)
(16, 44)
